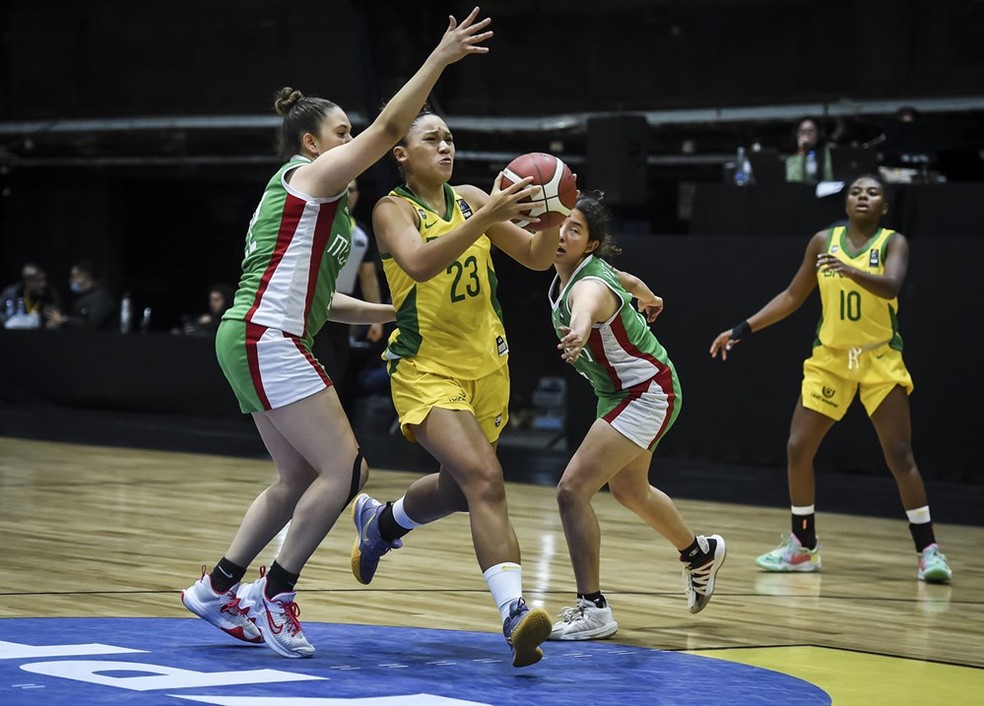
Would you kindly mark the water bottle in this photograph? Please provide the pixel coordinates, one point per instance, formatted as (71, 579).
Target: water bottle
(741, 168)
(145, 321)
(126, 313)
(810, 162)
(9, 309)
(21, 309)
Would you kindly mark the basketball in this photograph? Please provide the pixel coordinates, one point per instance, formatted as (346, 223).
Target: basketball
(557, 189)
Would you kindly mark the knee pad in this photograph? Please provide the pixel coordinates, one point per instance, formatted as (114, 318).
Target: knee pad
(356, 476)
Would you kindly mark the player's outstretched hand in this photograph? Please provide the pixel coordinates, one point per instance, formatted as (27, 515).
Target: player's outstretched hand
(722, 343)
(462, 39)
(570, 345)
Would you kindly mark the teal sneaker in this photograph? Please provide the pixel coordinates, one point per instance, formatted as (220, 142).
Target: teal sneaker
(933, 567)
(791, 556)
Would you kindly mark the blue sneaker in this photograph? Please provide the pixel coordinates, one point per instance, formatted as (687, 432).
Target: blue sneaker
(369, 545)
(525, 629)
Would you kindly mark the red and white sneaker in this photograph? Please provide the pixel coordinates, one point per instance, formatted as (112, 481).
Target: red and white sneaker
(223, 610)
(276, 619)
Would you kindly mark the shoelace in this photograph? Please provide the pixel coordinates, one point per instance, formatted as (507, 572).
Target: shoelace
(234, 606)
(290, 611)
(697, 578)
(569, 614)
(788, 546)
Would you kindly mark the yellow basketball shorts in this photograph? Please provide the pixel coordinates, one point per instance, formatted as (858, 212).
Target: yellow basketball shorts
(831, 379)
(416, 392)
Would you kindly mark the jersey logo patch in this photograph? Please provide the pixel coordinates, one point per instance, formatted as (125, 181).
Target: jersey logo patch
(873, 258)
(465, 208)
(828, 392)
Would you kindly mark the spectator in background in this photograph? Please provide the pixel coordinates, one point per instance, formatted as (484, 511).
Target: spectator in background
(910, 145)
(219, 301)
(31, 297)
(811, 161)
(92, 308)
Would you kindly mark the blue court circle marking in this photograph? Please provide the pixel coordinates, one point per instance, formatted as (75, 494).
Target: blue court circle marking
(151, 661)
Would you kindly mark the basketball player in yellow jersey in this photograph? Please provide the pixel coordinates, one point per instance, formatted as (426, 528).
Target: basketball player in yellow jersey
(447, 363)
(860, 269)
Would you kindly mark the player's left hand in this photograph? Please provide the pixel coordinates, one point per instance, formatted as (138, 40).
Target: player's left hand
(830, 263)
(570, 345)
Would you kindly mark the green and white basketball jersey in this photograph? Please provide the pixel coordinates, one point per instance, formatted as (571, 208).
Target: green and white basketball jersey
(295, 247)
(621, 352)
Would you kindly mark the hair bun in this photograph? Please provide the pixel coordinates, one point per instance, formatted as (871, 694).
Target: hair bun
(286, 99)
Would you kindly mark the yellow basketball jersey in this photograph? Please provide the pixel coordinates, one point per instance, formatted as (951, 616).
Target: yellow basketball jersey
(452, 323)
(853, 317)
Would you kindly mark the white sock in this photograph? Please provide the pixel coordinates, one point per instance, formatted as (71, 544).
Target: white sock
(803, 510)
(505, 583)
(401, 516)
(919, 515)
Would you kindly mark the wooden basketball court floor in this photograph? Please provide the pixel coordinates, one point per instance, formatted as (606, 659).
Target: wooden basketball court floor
(89, 531)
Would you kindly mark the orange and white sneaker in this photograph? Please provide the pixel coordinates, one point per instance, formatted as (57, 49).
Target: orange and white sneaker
(276, 619)
(791, 556)
(224, 610)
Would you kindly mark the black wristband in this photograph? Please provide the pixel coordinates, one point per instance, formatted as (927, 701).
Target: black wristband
(740, 331)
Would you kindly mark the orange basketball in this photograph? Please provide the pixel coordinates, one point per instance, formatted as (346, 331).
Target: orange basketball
(557, 189)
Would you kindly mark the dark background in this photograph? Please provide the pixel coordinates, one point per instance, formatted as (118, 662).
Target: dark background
(139, 136)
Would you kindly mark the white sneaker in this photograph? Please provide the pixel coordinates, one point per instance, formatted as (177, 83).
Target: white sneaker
(223, 610)
(585, 621)
(698, 581)
(276, 620)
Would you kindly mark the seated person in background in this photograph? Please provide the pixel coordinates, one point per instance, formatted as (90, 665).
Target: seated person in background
(912, 142)
(811, 161)
(93, 307)
(219, 300)
(28, 299)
